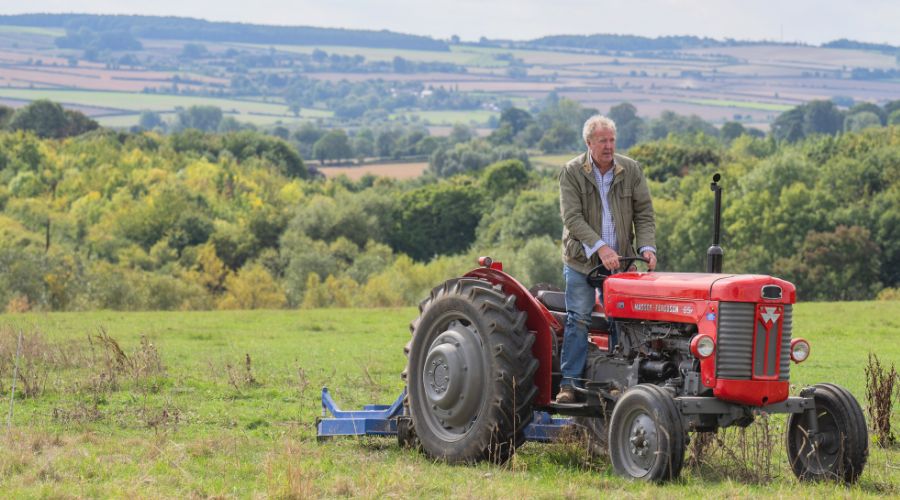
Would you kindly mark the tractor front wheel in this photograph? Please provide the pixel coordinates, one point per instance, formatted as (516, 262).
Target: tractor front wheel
(839, 448)
(470, 373)
(646, 436)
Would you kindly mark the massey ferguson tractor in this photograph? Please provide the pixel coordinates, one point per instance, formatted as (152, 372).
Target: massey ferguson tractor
(695, 352)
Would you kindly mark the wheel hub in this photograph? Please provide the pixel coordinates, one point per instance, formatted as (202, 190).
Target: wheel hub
(642, 439)
(452, 376)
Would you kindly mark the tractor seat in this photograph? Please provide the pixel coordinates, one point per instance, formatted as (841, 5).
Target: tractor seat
(556, 303)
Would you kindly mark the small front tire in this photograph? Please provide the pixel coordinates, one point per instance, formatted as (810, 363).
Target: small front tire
(838, 451)
(646, 435)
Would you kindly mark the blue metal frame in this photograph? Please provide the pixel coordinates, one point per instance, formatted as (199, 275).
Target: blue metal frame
(545, 428)
(374, 420)
(381, 420)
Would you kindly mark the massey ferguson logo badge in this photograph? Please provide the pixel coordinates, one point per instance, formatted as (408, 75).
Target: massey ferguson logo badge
(770, 315)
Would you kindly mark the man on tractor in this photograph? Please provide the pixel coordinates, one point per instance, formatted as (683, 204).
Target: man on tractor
(606, 207)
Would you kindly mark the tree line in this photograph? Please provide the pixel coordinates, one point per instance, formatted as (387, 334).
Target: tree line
(200, 220)
(177, 28)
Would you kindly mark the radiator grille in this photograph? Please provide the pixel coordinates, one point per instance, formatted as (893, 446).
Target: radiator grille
(785, 360)
(734, 359)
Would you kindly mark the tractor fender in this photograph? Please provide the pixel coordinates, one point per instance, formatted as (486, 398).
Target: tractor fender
(540, 321)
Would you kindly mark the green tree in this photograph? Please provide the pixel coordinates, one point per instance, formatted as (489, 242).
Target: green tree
(842, 265)
(471, 157)
(871, 108)
(150, 120)
(437, 219)
(504, 177)
(788, 126)
(822, 117)
(252, 288)
(731, 131)
(861, 120)
(629, 126)
(891, 107)
(559, 138)
(894, 117)
(671, 123)
(517, 119)
(334, 145)
(538, 262)
(664, 159)
(49, 120)
(194, 51)
(6, 114)
(205, 118)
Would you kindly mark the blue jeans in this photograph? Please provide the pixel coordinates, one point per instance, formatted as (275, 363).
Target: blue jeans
(580, 300)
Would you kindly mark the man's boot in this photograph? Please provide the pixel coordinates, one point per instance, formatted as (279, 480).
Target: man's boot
(566, 395)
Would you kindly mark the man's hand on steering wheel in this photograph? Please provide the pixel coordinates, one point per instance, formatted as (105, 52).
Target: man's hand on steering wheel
(609, 258)
(651, 259)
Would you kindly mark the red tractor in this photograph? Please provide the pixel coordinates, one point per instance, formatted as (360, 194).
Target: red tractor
(695, 352)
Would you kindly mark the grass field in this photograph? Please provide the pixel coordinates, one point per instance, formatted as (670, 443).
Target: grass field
(224, 404)
(156, 102)
(461, 55)
(131, 119)
(762, 106)
(31, 30)
(474, 117)
(406, 170)
(552, 162)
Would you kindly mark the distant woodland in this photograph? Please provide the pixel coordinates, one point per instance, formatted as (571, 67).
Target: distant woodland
(154, 27)
(92, 218)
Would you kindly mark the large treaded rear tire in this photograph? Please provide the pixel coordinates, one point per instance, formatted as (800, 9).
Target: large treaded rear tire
(470, 373)
(646, 435)
(843, 445)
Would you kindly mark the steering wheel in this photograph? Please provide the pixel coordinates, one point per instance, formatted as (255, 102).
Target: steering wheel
(596, 275)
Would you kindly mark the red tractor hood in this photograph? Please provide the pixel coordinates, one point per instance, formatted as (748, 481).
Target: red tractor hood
(698, 286)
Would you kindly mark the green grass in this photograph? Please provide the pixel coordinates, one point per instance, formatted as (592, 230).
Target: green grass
(201, 429)
(129, 120)
(555, 161)
(476, 117)
(31, 30)
(725, 103)
(463, 56)
(155, 102)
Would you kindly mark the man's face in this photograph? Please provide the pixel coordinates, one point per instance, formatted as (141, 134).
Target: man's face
(602, 145)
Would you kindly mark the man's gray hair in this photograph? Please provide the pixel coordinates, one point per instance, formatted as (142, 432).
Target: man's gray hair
(595, 122)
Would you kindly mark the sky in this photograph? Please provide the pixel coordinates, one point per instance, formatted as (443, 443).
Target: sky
(807, 21)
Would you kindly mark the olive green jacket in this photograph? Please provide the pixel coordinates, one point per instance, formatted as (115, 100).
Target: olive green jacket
(580, 207)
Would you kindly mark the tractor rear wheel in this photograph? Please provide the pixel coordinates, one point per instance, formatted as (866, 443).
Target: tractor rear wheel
(470, 373)
(838, 451)
(646, 436)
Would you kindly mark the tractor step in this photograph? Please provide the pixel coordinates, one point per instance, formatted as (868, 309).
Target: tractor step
(575, 409)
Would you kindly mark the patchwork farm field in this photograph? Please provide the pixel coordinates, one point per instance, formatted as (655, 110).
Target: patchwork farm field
(223, 404)
(407, 170)
(122, 109)
(751, 84)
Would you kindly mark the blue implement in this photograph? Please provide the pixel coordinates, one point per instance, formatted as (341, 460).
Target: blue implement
(381, 420)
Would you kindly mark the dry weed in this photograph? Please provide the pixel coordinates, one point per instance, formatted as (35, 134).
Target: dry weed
(239, 378)
(31, 364)
(109, 362)
(880, 386)
(741, 453)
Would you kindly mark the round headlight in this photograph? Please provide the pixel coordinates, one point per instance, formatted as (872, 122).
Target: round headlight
(799, 350)
(703, 346)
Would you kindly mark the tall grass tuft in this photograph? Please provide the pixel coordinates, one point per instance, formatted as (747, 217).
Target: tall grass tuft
(880, 386)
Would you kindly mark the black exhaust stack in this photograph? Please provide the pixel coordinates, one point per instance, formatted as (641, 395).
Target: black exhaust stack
(715, 253)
